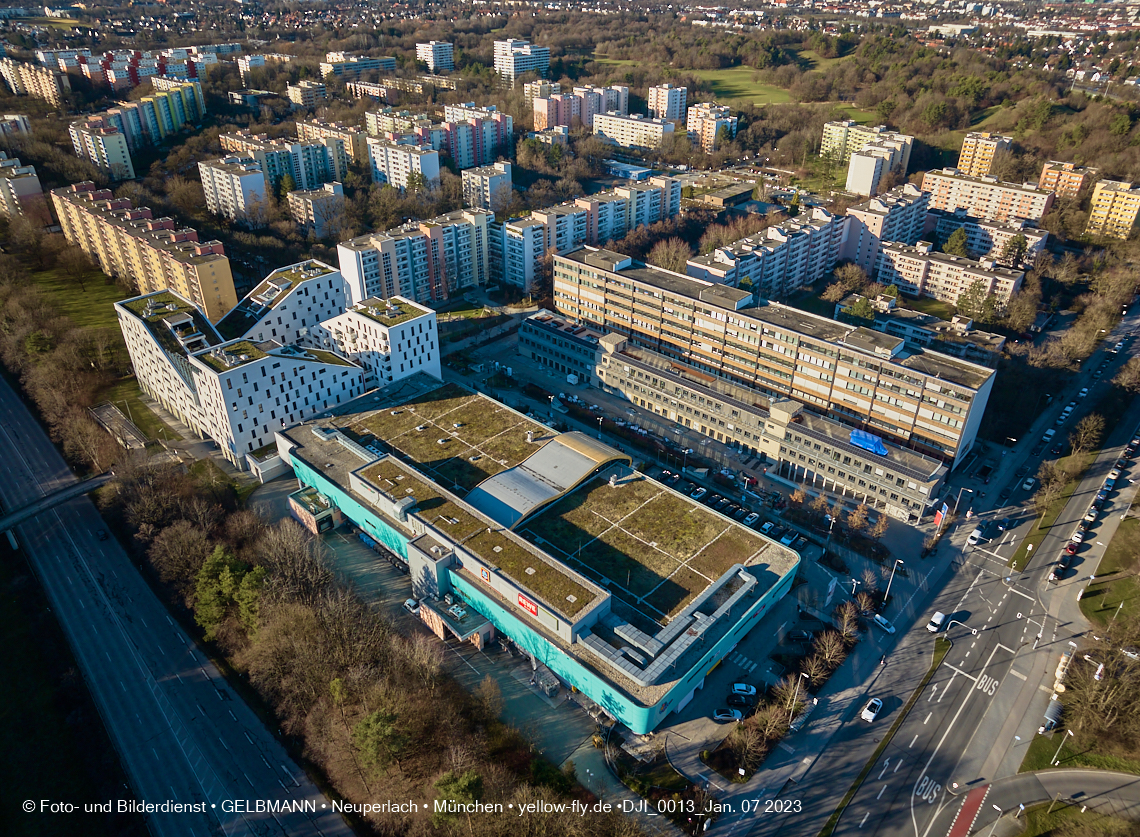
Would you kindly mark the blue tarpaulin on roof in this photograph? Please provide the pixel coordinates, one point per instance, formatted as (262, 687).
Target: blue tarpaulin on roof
(868, 441)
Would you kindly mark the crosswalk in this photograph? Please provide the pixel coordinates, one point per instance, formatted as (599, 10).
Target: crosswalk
(742, 661)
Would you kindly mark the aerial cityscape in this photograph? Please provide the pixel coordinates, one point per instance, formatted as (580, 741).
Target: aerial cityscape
(635, 419)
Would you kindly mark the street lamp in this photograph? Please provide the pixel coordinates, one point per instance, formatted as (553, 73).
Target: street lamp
(854, 584)
(958, 499)
(1054, 761)
(599, 427)
(887, 595)
(998, 809)
(796, 698)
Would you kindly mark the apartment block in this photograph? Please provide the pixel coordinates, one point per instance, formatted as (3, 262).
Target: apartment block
(985, 197)
(316, 130)
(96, 139)
(352, 67)
(779, 260)
(393, 163)
(318, 210)
(667, 102)
(634, 131)
(154, 253)
(1066, 179)
(35, 81)
(20, 192)
(865, 172)
(193, 101)
(488, 187)
(540, 89)
(307, 93)
(984, 239)
(236, 392)
(438, 55)
(369, 90)
(390, 120)
(235, 188)
(557, 109)
(978, 151)
(517, 250)
(558, 135)
(802, 446)
(287, 305)
(14, 124)
(921, 271)
(500, 125)
(310, 163)
(514, 57)
(897, 215)
(424, 261)
(925, 401)
(390, 339)
(843, 138)
(706, 122)
(1113, 210)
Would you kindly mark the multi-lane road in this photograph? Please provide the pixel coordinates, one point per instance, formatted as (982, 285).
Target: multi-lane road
(183, 735)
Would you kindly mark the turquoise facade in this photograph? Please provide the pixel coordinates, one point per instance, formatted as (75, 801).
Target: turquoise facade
(640, 719)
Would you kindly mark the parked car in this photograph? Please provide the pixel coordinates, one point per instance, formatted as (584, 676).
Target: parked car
(1005, 492)
(871, 710)
(740, 513)
(1084, 391)
(751, 519)
(1110, 483)
(412, 606)
(789, 538)
(1028, 484)
(101, 534)
(767, 528)
(883, 623)
(1003, 524)
(801, 636)
(1078, 537)
(728, 715)
(936, 622)
(1114, 474)
(1071, 548)
(699, 493)
(743, 689)
(740, 700)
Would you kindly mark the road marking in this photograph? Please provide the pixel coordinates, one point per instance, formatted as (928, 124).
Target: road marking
(958, 671)
(927, 719)
(911, 744)
(883, 788)
(1045, 689)
(864, 819)
(1017, 674)
(886, 764)
(1024, 595)
(232, 715)
(933, 691)
(898, 764)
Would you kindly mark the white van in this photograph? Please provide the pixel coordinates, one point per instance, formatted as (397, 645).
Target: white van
(884, 624)
(936, 621)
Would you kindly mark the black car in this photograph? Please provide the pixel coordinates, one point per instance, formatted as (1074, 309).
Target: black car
(740, 513)
(1065, 561)
(721, 504)
(1005, 492)
(713, 499)
(1004, 524)
(740, 700)
(1037, 450)
(101, 534)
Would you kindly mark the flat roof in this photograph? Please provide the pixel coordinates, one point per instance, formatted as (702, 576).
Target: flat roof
(390, 312)
(176, 323)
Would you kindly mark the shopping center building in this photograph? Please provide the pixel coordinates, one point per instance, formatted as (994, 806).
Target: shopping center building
(611, 582)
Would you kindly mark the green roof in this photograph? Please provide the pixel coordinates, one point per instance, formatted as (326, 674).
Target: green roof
(241, 352)
(165, 306)
(404, 311)
(255, 304)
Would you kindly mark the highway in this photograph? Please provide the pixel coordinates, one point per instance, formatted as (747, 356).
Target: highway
(183, 735)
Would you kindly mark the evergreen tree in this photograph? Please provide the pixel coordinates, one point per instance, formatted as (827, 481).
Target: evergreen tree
(956, 244)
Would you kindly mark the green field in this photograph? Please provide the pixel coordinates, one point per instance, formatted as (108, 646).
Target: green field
(737, 83)
(127, 396)
(91, 306)
(614, 61)
(66, 23)
(811, 58)
(933, 307)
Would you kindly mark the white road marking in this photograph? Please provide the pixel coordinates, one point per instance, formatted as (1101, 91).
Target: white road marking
(883, 788)
(924, 723)
(1017, 674)
(864, 819)
(886, 764)
(911, 744)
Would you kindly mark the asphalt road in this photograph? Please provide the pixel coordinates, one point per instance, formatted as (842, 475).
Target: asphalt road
(183, 734)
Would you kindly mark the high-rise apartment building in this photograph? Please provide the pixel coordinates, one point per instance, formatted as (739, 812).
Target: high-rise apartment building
(984, 239)
(35, 81)
(154, 253)
(985, 197)
(318, 210)
(868, 381)
(390, 339)
(424, 261)
(707, 123)
(898, 215)
(394, 163)
(235, 188)
(21, 193)
(921, 271)
(189, 98)
(779, 260)
(311, 163)
(667, 102)
(488, 187)
(316, 130)
(634, 131)
(96, 139)
(514, 57)
(979, 149)
(1066, 179)
(351, 67)
(540, 89)
(1114, 209)
(438, 55)
(843, 138)
(307, 93)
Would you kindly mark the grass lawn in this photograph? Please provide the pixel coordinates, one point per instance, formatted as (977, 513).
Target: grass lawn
(1077, 751)
(53, 741)
(861, 116)
(602, 60)
(1123, 552)
(91, 308)
(127, 396)
(815, 62)
(934, 307)
(1037, 533)
(1102, 599)
(63, 23)
(737, 83)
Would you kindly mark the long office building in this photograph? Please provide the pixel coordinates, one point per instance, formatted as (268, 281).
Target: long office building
(394, 164)
(317, 130)
(922, 271)
(423, 261)
(898, 215)
(239, 390)
(985, 197)
(979, 149)
(352, 67)
(667, 102)
(154, 253)
(514, 58)
(922, 400)
(235, 188)
(438, 55)
(35, 81)
(634, 131)
(779, 260)
(311, 163)
(1114, 209)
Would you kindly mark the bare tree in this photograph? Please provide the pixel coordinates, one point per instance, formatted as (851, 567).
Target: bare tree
(177, 553)
(830, 648)
(748, 745)
(870, 580)
(76, 265)
(296, 570)
(1087, 434)
(857, 518)
(816, 668)
(847, 619)
(1129, 375)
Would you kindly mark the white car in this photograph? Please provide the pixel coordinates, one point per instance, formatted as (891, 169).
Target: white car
(1028, 484)
(751, 519)
(871, 710)
(767, 528)
(1114, 474)
(728, 715)
(1090, 515)
(412, 606)
(1078, 537)
(1083, 392)
(743, 689)
(883, 623)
